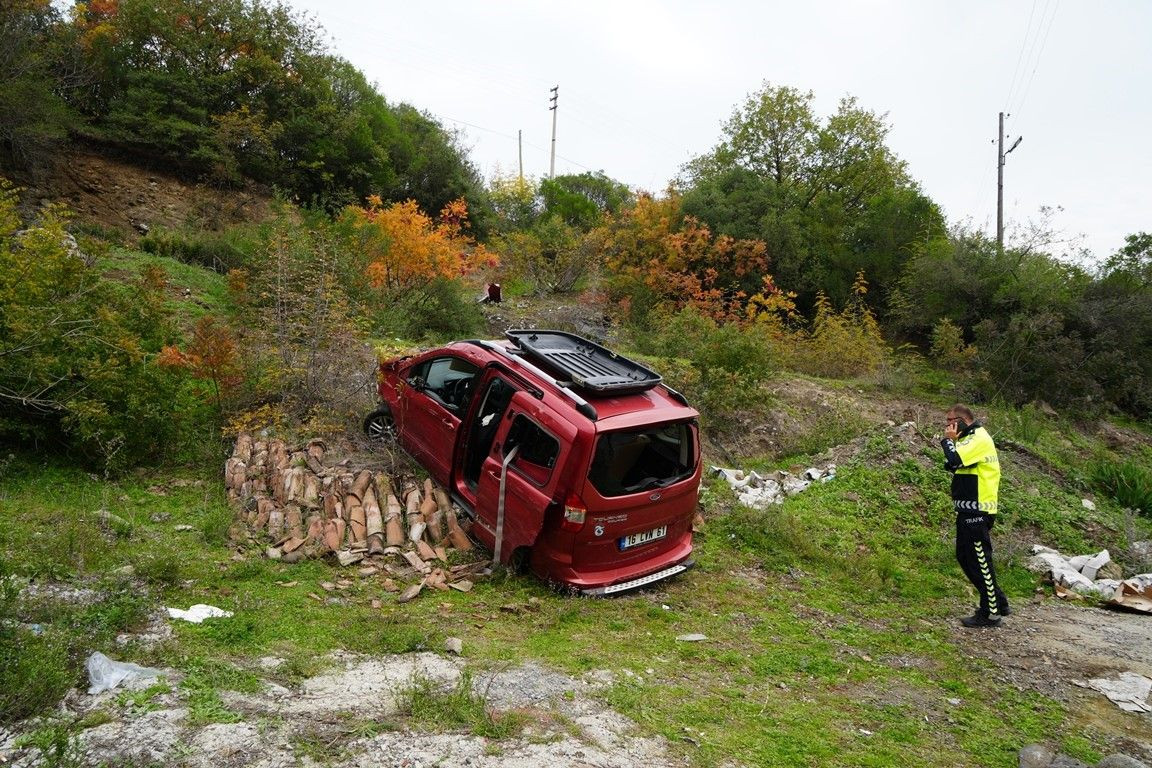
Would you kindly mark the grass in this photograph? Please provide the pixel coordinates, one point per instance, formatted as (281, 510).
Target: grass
(207, 290)
(1127, 482)
(827, 640)
(428, 705)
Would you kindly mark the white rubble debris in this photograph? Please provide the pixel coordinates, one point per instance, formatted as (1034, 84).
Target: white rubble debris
(1079, 574)
(757, 491)
(1129, 692)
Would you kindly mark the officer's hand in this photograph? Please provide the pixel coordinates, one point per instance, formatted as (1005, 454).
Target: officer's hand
(950, 431)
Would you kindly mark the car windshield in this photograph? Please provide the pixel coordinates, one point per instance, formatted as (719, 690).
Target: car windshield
(638, 460)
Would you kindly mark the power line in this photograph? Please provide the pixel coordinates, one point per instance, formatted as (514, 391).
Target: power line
(1051, 21)
(1020, 56)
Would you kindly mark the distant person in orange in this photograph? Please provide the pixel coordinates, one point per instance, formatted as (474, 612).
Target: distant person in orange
(970, 455)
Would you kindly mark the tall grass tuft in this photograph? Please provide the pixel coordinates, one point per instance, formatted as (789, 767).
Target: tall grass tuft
(1129, 483)
(1025, 425)
(457, 707)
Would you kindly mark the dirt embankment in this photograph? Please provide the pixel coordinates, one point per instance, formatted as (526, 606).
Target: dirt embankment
(126, 200)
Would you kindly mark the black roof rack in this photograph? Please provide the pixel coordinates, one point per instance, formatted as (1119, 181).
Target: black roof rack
(586, 364)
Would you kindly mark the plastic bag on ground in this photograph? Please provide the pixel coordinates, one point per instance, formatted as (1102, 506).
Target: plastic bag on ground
(197, 613)
(104, 674)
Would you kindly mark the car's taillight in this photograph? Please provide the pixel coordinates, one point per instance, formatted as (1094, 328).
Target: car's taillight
(574, 512)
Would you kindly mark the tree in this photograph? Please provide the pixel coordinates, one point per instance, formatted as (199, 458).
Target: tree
(36, 71)
(662, 259)
(515, 203)
(402, 249)
(806, 188)
(1117, 317)
(582, 200)
(233, 89)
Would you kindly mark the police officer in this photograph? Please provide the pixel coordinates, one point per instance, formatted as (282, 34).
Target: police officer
(970, 455)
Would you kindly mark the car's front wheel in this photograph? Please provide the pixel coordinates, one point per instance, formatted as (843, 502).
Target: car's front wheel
(379, 425)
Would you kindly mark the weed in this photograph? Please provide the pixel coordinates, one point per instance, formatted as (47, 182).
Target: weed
(34, 671)
(838, 422)
(139, 702)
(56, 740)
(427, 704)
(1024, 425)
(202, 684)
(160, 570)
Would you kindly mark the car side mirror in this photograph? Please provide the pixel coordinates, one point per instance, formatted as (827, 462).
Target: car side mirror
(417, 382)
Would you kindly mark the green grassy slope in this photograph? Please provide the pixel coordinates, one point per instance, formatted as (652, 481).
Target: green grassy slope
(829, 619)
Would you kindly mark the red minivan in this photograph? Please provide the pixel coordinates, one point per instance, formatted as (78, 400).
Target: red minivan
(572, 460)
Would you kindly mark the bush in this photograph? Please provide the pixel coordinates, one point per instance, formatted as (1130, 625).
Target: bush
(730, 362)
(34, 670)
(1024, 425)
(1034, 356)
(77, 351)
(443, 309)
(841, 343)
(553, 257)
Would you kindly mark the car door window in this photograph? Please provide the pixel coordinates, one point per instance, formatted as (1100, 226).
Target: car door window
(447, 380)
(497, 396)
(537, 450)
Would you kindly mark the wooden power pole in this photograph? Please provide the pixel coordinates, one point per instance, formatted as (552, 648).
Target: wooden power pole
(1001, 154)
(554, 99)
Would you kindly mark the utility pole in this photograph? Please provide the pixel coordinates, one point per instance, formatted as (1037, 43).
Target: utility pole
(1000, 157)
(554, 99)
(520, 152)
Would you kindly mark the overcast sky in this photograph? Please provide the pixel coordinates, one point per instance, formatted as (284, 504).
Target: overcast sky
(645, 85)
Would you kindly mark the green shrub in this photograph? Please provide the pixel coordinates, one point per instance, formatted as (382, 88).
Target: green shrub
(56, 740)
(1129, 483)
(1024, 425)
(443, 309)
(457, 707)
(553, 257)
(77, 351)
(35, 672)
(841, 343)
(730, 363)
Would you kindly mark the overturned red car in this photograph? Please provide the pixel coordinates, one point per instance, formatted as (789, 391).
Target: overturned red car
(574, 462)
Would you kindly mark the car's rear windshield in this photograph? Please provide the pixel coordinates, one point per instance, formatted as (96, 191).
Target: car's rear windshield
(641, 459)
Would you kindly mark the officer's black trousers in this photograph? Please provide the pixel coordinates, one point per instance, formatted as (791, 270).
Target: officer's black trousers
(974, 553)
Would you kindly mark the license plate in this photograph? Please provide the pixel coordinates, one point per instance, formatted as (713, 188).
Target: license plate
(636, 539)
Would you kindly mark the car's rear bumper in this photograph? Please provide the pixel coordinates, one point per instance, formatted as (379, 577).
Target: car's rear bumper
(557, 568)
(643, 581)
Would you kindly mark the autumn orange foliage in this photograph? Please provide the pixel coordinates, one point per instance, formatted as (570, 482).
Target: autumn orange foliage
(683, 264)
(404, 249)
(211, 357)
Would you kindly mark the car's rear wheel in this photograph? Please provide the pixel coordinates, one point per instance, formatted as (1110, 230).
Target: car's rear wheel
(379, 425)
